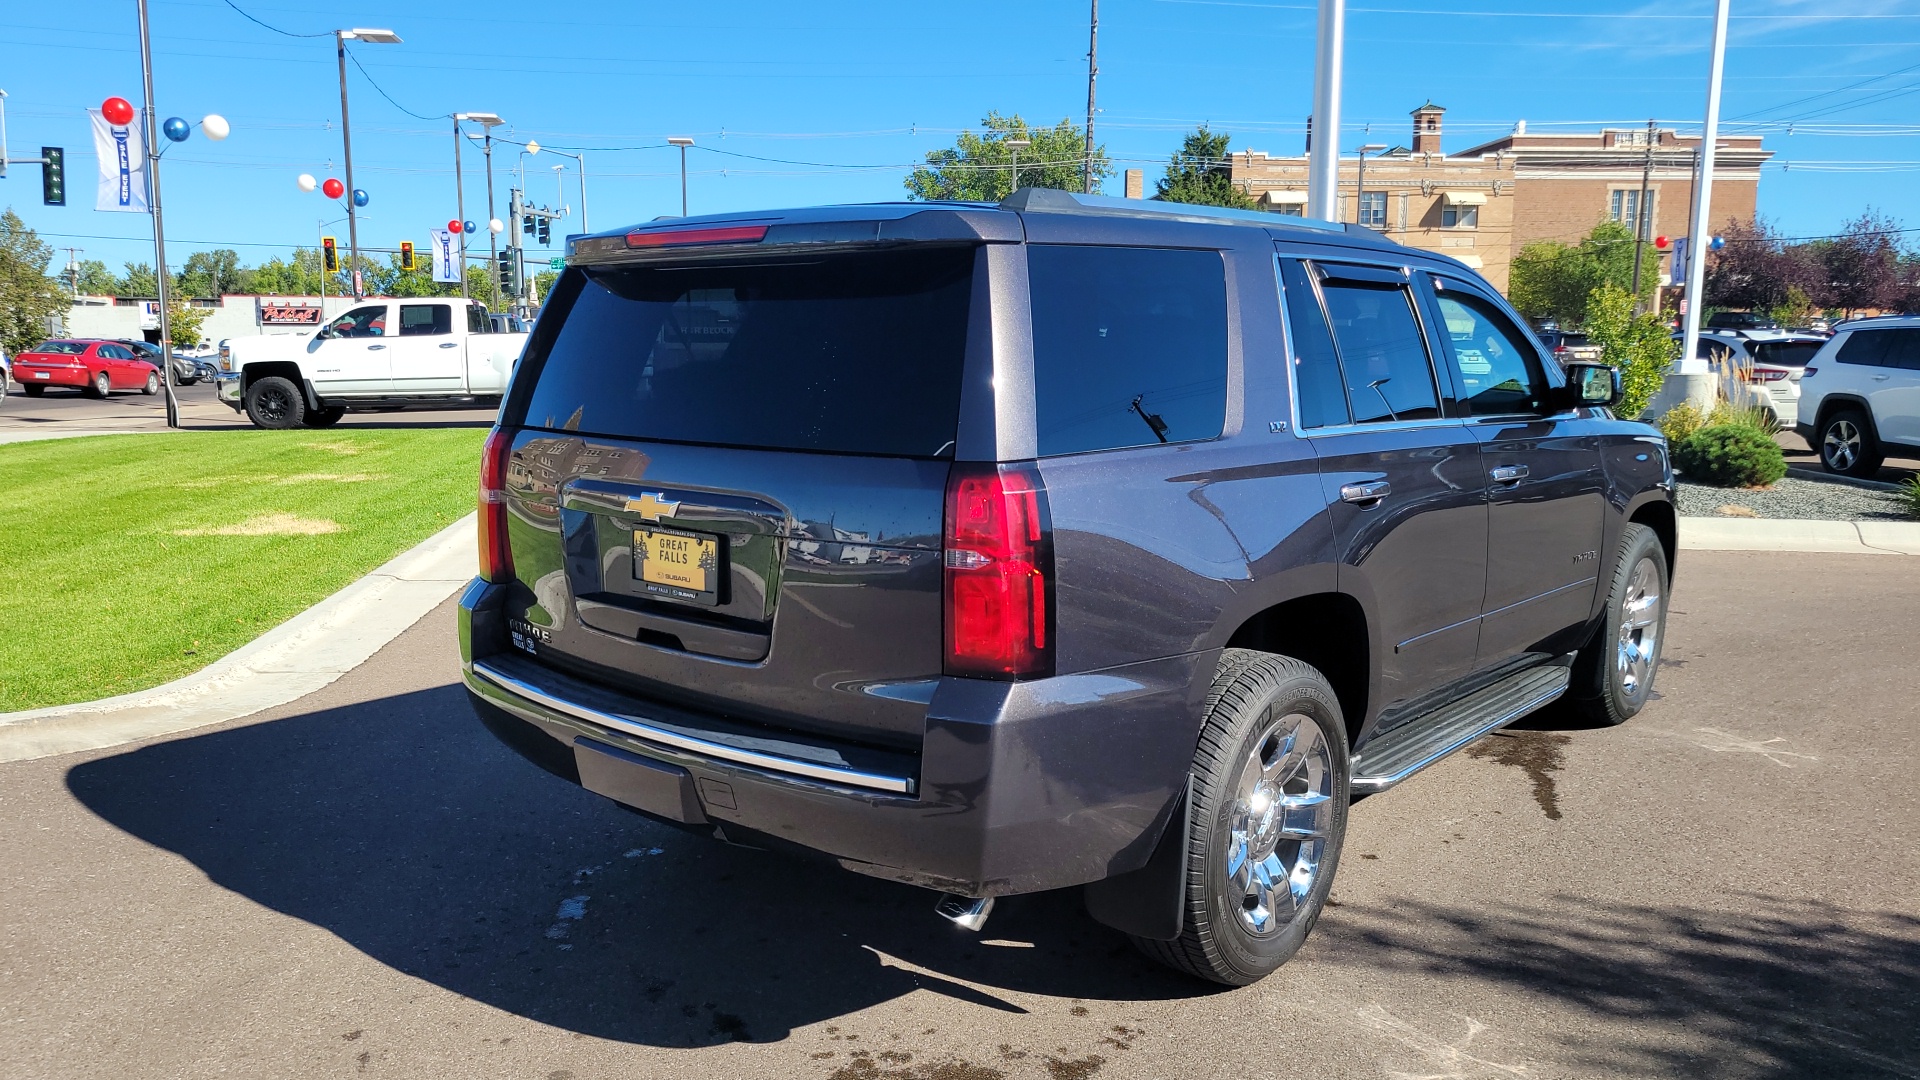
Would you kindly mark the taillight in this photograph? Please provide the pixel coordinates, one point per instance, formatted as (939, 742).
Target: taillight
(1805, 372)
(715, 234)
(999, 571)
(496, 559)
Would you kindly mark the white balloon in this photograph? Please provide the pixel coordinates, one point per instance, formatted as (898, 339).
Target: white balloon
(497, 225)
(215, 126)
(307, 182)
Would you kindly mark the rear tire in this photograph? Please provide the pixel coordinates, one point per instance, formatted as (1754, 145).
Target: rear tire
(1613, 675)
(1846, 445)
(33, 390)
(1270, 791)
(100, 387)
(276, 404)
(323, 418)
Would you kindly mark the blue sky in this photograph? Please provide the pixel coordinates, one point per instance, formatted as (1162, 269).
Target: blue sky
(847, 95)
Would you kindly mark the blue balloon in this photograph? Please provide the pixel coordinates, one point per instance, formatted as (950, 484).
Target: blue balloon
(176, 129)
(468, 226)
(359, 196)
(1717, 243)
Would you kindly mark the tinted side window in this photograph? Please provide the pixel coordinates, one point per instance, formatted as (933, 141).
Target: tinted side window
(477, 321)
(1873, 348)
(425, 319)
(1498, 372)
(1382, 355)
(1129, 346)
(1316, 367)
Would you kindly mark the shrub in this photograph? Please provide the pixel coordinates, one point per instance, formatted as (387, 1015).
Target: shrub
(1639, 345)
(1727, 414)
(1910, 491)
(1682, 421)
(1730, 455)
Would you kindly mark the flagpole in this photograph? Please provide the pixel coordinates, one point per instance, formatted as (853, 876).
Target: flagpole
(159, 227)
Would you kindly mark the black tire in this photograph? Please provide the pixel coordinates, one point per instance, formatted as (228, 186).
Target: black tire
(1846, 444)
(1605, 691)
(1251, 693)
(32, 390)
(320, 418)
(100, 386)
(276, 404)
(152, 385)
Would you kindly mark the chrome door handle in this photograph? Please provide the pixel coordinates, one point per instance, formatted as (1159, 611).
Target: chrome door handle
(1367, 495)
(449, 344)
(1509, 474)
(1881, 378)
(373, 348)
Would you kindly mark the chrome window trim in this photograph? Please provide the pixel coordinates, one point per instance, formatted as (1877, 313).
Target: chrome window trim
(639, 728)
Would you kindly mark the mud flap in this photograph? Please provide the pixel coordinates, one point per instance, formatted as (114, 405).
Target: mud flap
(1150, 902)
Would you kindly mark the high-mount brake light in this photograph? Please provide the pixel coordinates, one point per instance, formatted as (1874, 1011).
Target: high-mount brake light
(999, 570)
(496, 558)
(718, 234)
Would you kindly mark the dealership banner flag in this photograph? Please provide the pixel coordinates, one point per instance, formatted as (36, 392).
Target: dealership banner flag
(123, 164)
(446, 256)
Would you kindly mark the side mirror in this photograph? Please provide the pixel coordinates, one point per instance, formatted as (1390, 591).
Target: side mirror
(1593, 385)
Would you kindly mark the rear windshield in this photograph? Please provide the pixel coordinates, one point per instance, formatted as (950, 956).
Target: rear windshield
(1786, 353)
(60, 348)
(855, 353)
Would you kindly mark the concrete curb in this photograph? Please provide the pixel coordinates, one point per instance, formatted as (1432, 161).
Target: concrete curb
(11, 436)
(288, 662)
(1831, 537)
(1821, 476)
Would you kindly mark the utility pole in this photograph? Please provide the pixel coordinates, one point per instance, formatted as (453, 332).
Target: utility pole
(346, 138)
(459, 204)
(73, 269)
(1697, 241)
(1640, 214)
(1323, 161)
(1093, 73)
(493, 238)
(159, 225)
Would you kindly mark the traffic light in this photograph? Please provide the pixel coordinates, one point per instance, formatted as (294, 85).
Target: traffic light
(526, 224)
(546, 232)
(53, 176)
(406, 254)
(505, 270)
(329, 255)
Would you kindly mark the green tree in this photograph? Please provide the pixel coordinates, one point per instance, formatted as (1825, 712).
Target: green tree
(95, 279)
(1552, 280)
(1200, 173)
(183, 322)
(298, 276)
(1640, 346)
(543, 284)
(211, 274)
(979, 168)
(138, 281)
(27, 294)
(390, 280)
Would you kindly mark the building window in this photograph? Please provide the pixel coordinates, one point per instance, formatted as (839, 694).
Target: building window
(1290, 209)
(1459, 217)
(1625, 208)
(1373, 209)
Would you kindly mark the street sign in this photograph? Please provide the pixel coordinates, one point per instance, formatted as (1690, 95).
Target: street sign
(557, 263)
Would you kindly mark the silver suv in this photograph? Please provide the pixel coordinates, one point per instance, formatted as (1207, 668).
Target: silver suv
(1860, 396)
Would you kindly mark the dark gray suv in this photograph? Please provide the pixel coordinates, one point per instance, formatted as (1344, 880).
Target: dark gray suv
(1065, 542)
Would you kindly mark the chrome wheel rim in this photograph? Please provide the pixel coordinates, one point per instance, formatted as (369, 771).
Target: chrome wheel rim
(1842, 444)
(153, 384)
(1639, 630)
(1279, 823)
(101, 383)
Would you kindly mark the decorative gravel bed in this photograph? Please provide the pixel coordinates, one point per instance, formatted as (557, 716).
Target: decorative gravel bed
(1793, 498)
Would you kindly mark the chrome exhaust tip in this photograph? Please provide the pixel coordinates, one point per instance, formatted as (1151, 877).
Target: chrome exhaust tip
(965, 912)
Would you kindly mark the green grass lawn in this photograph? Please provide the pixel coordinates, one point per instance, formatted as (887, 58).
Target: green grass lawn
(130, 560)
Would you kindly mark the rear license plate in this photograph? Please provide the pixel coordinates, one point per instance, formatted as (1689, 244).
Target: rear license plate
(43, 374)
(676, 564)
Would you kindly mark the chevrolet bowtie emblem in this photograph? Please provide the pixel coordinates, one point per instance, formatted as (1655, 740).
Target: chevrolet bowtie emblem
(653, 507)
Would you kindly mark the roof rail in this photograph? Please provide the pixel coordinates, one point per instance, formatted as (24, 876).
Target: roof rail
(1054, 200)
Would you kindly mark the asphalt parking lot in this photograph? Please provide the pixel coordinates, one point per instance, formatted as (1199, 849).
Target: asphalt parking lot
(364, 883)
(69, 410)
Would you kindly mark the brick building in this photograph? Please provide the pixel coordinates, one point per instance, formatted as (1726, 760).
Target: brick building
(1483, 204)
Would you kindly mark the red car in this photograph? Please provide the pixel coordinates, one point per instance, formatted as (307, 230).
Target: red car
(95, 368)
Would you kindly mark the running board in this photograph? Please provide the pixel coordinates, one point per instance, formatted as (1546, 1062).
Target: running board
(1398, 754)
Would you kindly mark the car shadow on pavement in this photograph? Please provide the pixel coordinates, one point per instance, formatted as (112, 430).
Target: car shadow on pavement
(1765, 987)
(404, 828)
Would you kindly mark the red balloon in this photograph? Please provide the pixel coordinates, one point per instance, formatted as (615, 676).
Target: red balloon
(117, 110)
(1661, 242)
(333, 188)
(453, 226)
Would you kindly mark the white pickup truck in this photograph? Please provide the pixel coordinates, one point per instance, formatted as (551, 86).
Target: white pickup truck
(383, 354)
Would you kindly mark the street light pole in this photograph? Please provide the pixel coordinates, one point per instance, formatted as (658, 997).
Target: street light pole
(1702, 201)
(459, 202)
(682, 142)
(1017, 144)
(493, 238)
(1323, 161)
(340, 38)
(159, 224)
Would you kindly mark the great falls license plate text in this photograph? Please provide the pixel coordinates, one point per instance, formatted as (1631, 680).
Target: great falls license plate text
(676, 563)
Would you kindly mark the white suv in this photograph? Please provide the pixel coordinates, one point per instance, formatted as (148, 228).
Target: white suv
(1765, 369)
(1860, 396)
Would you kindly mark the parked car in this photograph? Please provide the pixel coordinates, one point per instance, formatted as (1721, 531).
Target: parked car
(425, 353)
(1567, 346)
(6, 374)
(1860, 396)
(95, 368)
(1071, 541)
(1761, 368)
(185, 371)
(1740, 320)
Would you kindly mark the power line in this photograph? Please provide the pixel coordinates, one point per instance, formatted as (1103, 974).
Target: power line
(382, 91)
(270, 26)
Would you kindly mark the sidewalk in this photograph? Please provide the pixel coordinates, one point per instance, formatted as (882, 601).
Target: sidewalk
(1828, 537)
